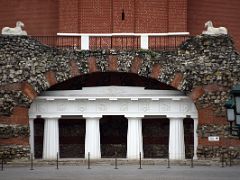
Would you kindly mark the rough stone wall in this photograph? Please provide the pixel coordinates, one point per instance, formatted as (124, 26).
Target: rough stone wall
(203, 67)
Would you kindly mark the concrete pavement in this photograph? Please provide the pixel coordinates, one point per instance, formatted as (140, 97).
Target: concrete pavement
(129, 172)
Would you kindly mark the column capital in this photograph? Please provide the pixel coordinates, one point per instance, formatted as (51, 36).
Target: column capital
(45, 116)
(92, 117)
(176, 118)
(51, 117)
(134, 117)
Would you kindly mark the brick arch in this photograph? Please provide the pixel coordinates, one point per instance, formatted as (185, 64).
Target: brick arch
(175, 81)
(173, 68)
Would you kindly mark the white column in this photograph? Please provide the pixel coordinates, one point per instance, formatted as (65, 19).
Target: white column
(51, 138)
(92, 138)
(176, 139)
(31, 137)
(85, 42)
(195, 121)
(144, 41)
(134, 138)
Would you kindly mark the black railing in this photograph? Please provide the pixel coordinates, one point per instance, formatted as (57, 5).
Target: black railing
(155, 43)
(68, 42)
(115, 42)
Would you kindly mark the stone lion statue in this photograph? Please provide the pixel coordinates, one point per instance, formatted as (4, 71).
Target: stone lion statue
(15, 31)
(214, 31)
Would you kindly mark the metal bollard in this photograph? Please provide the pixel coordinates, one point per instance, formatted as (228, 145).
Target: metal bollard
(140, 160)
(192, 161)
(204, 153)
(168, 166)
(222, 159)
(115, 161)
(89, 160)
(230, 158)
(31, 159)
(2, 163)
(57, 161)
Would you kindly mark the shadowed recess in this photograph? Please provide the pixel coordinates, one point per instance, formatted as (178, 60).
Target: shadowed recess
(108, 79)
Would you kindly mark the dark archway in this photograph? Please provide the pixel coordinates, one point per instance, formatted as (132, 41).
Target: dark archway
(110, 79)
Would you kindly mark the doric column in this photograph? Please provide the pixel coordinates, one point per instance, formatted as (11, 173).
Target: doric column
(176, 139)
(31, 137)
(134, 138)
(195, 121)
(51, 138)
(92, 138)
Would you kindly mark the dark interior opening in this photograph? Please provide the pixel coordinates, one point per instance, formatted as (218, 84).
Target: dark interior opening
(113, 136)
(110, 79)
(155, 137)
(72, 138)
(189, 137)
(38, 137)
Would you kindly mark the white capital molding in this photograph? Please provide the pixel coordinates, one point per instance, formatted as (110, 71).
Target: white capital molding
(98, 101)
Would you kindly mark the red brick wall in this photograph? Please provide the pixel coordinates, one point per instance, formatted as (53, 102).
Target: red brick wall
(151, 16)
(39, 18)
(221, 12)
(95, 16)
(127, 24)
(68, 16)
(177, 15)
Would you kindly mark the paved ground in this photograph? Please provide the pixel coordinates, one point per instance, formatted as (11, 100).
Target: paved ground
(124, 172)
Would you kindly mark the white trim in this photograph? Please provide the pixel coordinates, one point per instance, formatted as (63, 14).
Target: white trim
(85, 42)
(144, 41)
(124, 34)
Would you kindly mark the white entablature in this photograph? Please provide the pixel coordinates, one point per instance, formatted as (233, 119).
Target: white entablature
(113, 100)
